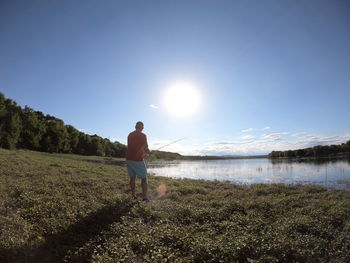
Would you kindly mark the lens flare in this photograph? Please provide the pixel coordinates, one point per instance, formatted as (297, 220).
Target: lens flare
(161, 190)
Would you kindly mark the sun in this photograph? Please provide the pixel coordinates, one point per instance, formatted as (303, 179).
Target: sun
(181, 99)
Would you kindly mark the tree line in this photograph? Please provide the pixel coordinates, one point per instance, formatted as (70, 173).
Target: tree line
(312, 152)
(25, 128)
(164, 156)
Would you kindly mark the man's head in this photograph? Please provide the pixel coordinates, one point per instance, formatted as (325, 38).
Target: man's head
(139, 126)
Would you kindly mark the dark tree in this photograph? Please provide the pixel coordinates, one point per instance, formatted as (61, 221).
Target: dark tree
(10, 124)
(97, 146)
(317, 151)
(73, 137)
(32, 130)
(56, 137)
(29, 129)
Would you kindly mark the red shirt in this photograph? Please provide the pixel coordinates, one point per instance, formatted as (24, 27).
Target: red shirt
(137, 141)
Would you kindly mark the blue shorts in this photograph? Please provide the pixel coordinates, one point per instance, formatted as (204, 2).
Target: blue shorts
(137, 168)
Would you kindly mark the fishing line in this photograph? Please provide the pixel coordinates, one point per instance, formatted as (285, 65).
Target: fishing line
(169, 144)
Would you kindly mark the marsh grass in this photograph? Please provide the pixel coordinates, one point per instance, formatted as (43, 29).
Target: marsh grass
(70, 208)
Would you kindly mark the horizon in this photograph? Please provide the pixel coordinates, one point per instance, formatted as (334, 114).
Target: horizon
(249, 78)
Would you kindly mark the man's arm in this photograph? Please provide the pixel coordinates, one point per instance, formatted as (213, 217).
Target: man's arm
(147, 150)
(146, 146)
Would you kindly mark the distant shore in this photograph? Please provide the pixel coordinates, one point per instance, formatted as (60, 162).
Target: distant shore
(330, 156)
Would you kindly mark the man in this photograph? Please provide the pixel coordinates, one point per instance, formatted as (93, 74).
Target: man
(136, 151)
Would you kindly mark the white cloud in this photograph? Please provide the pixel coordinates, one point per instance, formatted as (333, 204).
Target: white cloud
(266, 128)
(247, 130)
(274, 136)
(233, 143)
(247, 137)
(299, 134)
(153, 106)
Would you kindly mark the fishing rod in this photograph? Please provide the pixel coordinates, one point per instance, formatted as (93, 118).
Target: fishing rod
(170, 144)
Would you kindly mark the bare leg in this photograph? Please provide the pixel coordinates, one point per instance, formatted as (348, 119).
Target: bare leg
(144, 185)
(132, 185)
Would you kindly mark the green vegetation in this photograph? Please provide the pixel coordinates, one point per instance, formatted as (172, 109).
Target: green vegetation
(314, 152)
(156, 155)
(71, 208)
(29, 129)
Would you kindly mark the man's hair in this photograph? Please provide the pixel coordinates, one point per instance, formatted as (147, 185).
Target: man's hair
(139, 124)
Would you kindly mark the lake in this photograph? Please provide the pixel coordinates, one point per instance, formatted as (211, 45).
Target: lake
(330, 173)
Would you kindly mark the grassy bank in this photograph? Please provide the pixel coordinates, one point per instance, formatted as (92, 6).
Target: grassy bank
(69, 208)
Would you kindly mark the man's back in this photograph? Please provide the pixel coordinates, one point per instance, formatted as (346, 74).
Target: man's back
(137, 141)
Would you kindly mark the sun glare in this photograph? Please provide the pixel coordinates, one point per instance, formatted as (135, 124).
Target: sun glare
(181, 99)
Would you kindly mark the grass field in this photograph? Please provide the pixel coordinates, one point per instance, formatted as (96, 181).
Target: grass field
(70, 208)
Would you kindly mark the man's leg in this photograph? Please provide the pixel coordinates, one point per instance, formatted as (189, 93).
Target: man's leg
(144, 185)
(132, 185)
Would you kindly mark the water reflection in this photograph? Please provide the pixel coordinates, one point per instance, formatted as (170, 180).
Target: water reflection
(331, 173)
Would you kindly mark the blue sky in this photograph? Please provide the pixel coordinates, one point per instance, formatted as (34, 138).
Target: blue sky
(271, 75)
